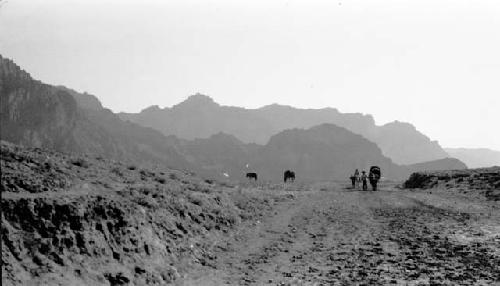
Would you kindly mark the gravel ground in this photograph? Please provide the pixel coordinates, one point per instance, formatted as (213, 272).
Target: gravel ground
(333, 235)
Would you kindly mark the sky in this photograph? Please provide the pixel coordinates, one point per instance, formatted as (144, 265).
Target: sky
(433, 63)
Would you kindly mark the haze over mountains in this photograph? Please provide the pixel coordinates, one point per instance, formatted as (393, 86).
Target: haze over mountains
(54, 117)
(476, 157)
(199, 117)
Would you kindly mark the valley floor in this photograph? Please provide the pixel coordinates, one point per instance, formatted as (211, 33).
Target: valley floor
(330, 234)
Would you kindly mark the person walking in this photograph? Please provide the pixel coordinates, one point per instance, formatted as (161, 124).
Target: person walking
(353, 181)
(356, 176)
(364, 179)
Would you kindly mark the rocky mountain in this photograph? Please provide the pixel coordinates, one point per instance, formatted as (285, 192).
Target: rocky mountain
(323, 152)
(84, 100)
(40, 115)
(200, 117)
(476, 157)
(405, 144)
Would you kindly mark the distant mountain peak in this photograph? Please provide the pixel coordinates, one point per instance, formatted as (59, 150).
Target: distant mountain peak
(277, 106)
(197, 100)
(152, 108)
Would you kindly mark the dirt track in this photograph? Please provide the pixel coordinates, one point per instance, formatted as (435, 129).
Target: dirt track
(332, 235)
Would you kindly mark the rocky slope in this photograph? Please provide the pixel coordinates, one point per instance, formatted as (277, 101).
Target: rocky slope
(72, 219)
(476, 157)
(84, 100)
(40, 115)
(484, 180)
(200, 117)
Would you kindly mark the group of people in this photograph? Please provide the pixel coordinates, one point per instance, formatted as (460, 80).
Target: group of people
(373, 176)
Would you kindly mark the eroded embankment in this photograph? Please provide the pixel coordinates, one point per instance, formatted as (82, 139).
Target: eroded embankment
(84, 220)
(483, 180)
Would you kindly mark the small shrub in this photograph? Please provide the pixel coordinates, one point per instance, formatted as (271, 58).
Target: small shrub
(117, 171)
(173, 176)
(160, 180)
(131, 167)
(80, 162)
(146, 173)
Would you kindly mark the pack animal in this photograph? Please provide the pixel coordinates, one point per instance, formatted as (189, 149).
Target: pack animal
(374, 176)
(251, 176)
(289, 176)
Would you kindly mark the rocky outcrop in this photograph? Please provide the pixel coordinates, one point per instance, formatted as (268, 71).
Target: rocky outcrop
(485, 180)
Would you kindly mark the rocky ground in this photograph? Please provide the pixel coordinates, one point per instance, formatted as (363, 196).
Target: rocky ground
(84, 220)
(333, 235)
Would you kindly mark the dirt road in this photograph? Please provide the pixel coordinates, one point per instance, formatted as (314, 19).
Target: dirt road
(332, 235)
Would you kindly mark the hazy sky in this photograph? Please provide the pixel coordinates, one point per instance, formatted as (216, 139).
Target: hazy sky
(433, 63)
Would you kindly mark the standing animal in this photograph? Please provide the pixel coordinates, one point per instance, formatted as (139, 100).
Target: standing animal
(289, 175)
(252, 176)
(374, 176)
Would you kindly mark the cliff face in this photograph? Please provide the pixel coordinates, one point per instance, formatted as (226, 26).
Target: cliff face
(33, 113)
(84, 100)
(200, 117)
(41, 115)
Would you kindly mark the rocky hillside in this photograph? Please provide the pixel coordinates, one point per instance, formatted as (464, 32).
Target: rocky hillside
(84, 100)
(403, 143)
(40, 115)
(476, 157)
(72, 219)
(200, 117)
(485, 180)
(323, 152)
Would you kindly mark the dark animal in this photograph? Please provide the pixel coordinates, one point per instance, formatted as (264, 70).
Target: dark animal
(252, 176)
(289, 175)
(374, 176)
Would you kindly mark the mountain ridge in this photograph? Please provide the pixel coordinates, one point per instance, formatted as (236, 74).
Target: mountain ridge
(476, 157)
(58, 118)
(205, 117)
